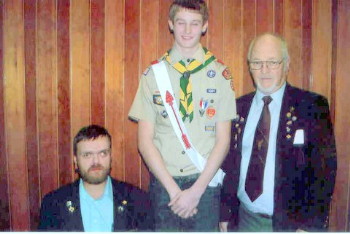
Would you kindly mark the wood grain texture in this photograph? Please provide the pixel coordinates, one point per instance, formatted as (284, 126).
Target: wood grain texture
(15, 116)
(63, 94)
(31, 110)
(5, 222)
(342, 118)
(321, 47)
(115, 113)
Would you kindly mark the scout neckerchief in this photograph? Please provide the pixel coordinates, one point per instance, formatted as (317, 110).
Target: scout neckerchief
(167, 94)
(186, 105)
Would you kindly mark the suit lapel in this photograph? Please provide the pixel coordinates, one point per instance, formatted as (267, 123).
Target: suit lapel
(75, 220)
(120, 212)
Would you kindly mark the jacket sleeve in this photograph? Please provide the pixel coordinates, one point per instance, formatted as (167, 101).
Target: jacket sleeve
(48, 218)
(322, 167)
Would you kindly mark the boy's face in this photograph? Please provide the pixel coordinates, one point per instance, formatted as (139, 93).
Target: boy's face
(188, 27)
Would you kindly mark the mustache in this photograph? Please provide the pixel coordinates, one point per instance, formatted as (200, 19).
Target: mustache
(97, 166)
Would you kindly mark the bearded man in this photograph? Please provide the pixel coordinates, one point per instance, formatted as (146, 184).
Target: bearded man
(95, 202)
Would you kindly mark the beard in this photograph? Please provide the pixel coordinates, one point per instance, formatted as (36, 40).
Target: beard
(92, 178)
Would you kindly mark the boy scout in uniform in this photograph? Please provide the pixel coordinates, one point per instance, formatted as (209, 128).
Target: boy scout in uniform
(194, 116)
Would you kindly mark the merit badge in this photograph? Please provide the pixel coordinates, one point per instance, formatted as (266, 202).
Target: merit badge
(157, 99)
(211, 73)
(203, 105)
(227, 74)
(210, 112)
(164, 114)
(211, 90)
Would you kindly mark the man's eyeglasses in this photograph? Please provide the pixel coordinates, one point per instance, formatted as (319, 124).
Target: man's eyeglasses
(257, 65)
(101, 154)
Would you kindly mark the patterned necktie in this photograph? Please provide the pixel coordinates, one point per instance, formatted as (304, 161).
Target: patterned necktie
(186, 105)
(255, 173)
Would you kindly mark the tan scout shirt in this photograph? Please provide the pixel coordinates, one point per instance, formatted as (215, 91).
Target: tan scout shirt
(209, 86)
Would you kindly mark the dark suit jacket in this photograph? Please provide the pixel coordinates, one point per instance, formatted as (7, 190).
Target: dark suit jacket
(57, 214)
(304, 174)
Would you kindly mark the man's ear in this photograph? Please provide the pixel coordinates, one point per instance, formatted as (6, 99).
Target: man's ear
(75, 162)
(286, 65)
(171, 26)
(205, 27)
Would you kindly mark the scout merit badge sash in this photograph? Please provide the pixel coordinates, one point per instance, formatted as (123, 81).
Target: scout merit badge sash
(167, 94)
(186, 105)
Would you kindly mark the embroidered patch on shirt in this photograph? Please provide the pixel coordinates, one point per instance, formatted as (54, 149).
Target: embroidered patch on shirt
(157, 99)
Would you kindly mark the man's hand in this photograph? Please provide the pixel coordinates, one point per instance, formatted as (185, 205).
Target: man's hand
(223, 226)
(185, 203)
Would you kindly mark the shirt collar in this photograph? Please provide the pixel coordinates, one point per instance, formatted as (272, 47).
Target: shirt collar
(108, 193)
(277, 96)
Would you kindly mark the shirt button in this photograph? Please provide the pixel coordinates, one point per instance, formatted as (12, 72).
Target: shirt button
(188, 60)
(183, 152)
(181, 170)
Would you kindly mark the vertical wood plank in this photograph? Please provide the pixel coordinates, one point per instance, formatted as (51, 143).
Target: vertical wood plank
(234, 57)
(46, 95)
(132, 71)
(342, 118)
(264, 16)
(148, 49)
(307, 42)
(249, 32)
(5, 222)
(115, 113)
(80, 64)
(165, 41)
(322, 47)
(215, 29)
(97, 62)
(15, 116)
(293, 35)
(63, 93)
(278, 16)
(31, 111)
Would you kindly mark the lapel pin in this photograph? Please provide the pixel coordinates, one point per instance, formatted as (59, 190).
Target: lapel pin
(294, 118)
(289, 115)
(288, 136)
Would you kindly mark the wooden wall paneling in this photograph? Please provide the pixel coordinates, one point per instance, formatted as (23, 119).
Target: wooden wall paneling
(278, 17)
(97, 62)
(148, 49)
(14, 112)
(342, 118)
(31, 111)
(80, 64)
(165, 38)
(233, 55)
(5, 222)
(293, 36)
(264, 16)
(249, 32)
(63, 94)
(215, 30)
(322, 47)
(132, 72)
(307, 42)
(114, 83)
(46, 94)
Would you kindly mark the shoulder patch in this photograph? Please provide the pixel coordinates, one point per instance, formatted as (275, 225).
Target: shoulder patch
(227, 74)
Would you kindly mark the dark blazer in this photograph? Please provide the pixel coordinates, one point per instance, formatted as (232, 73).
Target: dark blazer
(60, 209)
(304, 174)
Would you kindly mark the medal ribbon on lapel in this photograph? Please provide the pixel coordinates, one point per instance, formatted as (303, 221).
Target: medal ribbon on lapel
(186, 105)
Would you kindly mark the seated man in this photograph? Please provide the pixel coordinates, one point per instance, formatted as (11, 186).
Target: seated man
(95, 202)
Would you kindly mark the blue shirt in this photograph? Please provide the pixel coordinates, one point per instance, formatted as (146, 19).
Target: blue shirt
(97, 214)
(265, 202)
